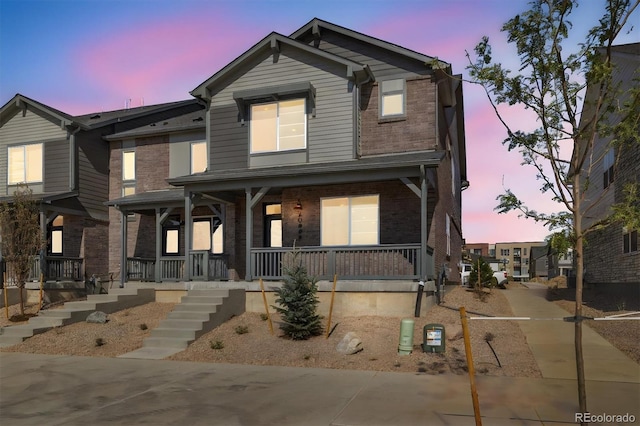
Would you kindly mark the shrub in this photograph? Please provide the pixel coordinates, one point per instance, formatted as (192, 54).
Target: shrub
(217, 344)
(242, 329)
(298, 301)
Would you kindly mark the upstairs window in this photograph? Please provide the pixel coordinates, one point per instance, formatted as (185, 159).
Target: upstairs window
(129, 176)
(198, 157)
(392, 98)
(630, 241)
(607, 166)
(278, 126)
(25, 164)
(350, 220)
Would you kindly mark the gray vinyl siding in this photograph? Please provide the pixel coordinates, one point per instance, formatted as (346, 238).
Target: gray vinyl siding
(329, 133)
(30, 128)
(382, 62)
(56, 166)
(180, 152)
(93, 174)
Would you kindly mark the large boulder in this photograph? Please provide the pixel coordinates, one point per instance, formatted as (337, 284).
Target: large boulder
(350, 344)
(97, 317)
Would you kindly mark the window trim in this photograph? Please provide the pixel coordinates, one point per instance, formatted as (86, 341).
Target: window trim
(382, 93)
(25, 164)
(349, 198)
(277, 125)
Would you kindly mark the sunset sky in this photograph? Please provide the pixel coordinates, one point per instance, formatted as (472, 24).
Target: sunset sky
(83, 56)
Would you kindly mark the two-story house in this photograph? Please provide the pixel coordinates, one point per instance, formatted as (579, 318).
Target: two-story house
(611, 254)
(349, 148)
(65, 162)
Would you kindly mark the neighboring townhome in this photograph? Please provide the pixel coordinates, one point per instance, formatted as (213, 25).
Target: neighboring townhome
(345, 147)
(611, 254)
(64, 160)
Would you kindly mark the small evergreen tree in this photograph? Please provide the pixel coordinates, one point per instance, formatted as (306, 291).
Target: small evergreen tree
(481, 267)
(298, 301)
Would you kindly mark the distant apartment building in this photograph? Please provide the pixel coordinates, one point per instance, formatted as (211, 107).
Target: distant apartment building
(515, 256)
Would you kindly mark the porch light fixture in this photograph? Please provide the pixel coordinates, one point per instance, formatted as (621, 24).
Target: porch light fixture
(298, 206)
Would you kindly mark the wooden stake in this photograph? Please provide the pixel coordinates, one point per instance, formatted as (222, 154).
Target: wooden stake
(4, 290)
(472, 381)
(333, 293)
(41, 290)
(266, 306)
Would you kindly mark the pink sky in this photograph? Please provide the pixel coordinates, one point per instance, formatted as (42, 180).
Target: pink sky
(156, 52)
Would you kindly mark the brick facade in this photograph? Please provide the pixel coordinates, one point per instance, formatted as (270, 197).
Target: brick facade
(415, 132)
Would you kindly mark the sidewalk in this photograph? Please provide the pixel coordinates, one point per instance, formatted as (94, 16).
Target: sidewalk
(62, 390)
(552, 342)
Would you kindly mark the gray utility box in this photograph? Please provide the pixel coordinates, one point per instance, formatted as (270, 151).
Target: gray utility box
(433, 338)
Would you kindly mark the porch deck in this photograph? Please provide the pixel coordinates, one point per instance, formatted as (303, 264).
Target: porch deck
(381, 262)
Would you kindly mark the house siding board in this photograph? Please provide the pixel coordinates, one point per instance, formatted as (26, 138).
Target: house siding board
(382, 62)
(330, 132)
(93, 171)
(56, 166)
(30, 128)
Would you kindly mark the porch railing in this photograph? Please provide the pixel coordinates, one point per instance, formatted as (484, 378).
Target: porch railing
(203, 266)
(394, 261)
(142, 269)
(56, 268)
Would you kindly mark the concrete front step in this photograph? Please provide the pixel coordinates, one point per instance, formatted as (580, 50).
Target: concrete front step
(199, 312)
(73, 312)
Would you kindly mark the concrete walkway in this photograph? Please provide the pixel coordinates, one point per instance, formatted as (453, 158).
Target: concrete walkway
(62, 390)
(552, 342)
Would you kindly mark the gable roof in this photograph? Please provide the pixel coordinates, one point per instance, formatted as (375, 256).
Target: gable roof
(190, 121)
(316, 25)
(20, 103)
(272, 42)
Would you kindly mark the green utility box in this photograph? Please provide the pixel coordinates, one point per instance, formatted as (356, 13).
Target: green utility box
(406, 337)
(433, 338)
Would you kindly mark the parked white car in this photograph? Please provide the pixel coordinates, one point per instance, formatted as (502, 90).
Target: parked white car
(499, 277)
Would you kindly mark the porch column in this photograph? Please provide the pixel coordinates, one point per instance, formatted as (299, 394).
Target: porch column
(187, 235)
(251, 201)
(248, 234)
(424, 231)
(158, 244)
(43, 250)
(123, 250)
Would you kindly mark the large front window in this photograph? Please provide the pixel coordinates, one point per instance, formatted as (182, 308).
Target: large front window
(25, 164)
(278, 126)
(350, 220)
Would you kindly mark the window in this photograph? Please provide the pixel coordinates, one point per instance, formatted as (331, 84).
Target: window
(55, 241)
(128, 165)
(171, 236)
(504, 252)
(630, 241)
(25, 164)
(198, 157)
(392, 94)
(278, 126)
(207, 235)
(349, 220)
(607, 166)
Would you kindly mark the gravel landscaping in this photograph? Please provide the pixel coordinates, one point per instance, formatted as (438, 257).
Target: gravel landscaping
(246, 339)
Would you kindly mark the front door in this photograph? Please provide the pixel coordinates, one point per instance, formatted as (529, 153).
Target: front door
(273, 237)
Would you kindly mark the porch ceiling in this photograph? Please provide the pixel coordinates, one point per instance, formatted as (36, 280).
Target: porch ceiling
(367, 169)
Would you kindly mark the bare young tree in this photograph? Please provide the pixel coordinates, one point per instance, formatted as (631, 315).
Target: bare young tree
(20, 235)
(571, 90)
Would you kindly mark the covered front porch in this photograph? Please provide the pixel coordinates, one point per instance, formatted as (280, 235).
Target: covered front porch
(262, 216)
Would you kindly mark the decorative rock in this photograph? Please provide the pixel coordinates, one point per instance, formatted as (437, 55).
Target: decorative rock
(350, 344)
(97, 317)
